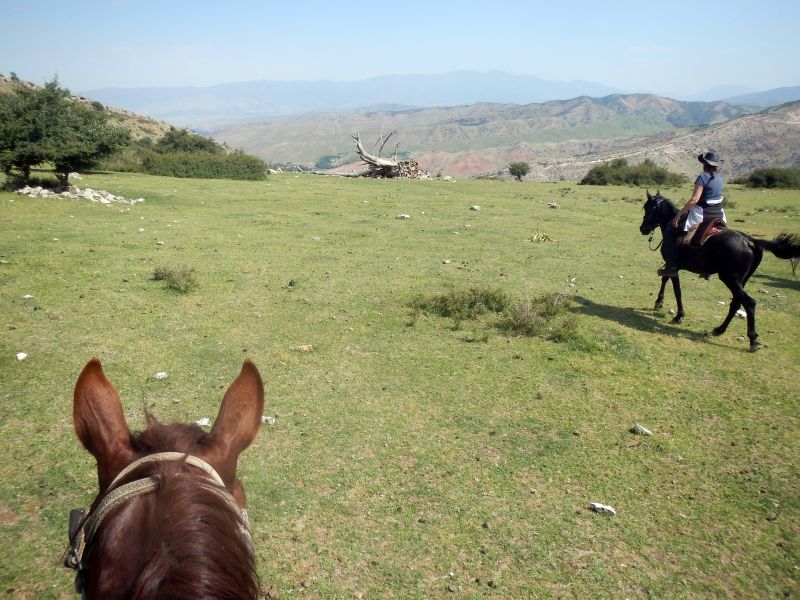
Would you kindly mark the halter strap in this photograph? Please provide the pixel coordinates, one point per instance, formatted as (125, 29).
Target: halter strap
(168, 456)
(116, 495)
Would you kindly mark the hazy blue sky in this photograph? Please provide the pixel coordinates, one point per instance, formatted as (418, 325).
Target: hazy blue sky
(673, 47)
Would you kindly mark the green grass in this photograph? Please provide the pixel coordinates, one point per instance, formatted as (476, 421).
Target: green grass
(402, 454)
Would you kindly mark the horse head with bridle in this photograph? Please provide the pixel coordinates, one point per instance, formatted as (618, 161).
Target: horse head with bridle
(169, 520)
(731, 254)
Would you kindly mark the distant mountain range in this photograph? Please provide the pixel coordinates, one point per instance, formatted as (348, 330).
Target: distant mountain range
(558, 138)
(202, 108)
(483, 138)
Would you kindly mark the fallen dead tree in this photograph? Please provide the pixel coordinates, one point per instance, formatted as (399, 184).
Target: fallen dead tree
(378, 166)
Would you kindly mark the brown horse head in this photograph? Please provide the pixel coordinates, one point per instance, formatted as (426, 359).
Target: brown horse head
(171, 525)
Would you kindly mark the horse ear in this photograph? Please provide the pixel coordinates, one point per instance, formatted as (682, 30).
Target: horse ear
(100, 423)
(649, 197)
(237, 422)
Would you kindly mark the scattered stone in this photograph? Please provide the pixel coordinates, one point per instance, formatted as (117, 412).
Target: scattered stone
(553, 204)
(403, 216)
(640, 430)
(303, 348)
(446, 261)
(474, 207)
(763, 291)
(21, 356)
(27, 297)
(671, 311)
(741, 313)
(603, 509)
(268, 420)
(448, 178)
(76, 193)
(160, 375)
(204, 422)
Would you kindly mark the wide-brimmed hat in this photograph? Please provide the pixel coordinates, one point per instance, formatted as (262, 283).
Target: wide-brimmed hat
(710, 158)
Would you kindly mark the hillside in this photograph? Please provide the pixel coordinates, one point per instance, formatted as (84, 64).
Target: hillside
(139, 125)
(482, 138)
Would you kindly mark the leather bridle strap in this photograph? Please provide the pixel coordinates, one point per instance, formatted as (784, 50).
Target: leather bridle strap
(117, 495)
(168, 456)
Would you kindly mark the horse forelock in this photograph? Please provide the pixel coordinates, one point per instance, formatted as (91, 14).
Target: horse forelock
(181, 540)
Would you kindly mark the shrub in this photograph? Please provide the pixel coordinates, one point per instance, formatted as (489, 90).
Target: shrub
(546, 316)
(205, 165)
(460, 305)
(774, 177)
(619, 172)
(182, 140)
(181, 279)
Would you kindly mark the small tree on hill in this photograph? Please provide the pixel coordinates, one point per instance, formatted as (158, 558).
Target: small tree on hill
(182, 140)
(519, 169)
(47, 125)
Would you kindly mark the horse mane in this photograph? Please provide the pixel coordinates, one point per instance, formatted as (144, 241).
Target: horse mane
(195, 547)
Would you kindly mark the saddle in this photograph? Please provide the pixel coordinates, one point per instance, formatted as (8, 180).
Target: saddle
(698, 235)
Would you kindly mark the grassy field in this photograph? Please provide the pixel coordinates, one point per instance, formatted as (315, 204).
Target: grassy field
(411, 458)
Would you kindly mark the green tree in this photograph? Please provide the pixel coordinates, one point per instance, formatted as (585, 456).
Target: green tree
(47, 124)
(182, 140)
(519, 169)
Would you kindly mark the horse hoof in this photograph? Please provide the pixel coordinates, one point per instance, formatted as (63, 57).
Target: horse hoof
(677, 320)
(754, 346)
(658, 306)
(716, 332)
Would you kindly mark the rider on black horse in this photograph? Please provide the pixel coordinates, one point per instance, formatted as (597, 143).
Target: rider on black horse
(704, 206)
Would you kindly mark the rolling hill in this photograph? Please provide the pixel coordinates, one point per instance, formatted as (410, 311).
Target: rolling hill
(482, 138)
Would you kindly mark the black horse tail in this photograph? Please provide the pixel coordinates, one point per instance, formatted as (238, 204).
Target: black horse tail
(786, 245)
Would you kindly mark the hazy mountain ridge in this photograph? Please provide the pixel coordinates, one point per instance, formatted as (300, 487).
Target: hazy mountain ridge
(192, 106)
(436, 136)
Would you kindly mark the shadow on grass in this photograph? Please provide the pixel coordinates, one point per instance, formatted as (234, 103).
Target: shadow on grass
(777, 282)
(637, 318)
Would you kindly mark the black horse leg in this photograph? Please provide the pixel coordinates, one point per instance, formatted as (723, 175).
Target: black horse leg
(660, 298)
(676, 288)
(740, 298)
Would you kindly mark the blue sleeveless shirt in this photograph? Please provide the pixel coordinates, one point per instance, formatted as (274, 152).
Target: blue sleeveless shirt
(712, 189)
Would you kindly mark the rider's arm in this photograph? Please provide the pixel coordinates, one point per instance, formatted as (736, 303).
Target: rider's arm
(698, 191)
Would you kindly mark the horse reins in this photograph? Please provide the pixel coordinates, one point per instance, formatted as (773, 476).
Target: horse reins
(83, 527)
(658, 200)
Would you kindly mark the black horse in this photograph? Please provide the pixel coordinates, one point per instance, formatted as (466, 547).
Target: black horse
(733, 255)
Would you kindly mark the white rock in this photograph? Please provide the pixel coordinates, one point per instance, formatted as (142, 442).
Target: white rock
(141, 229)
(446, 262)
(640, 429)
(204, 422)
(403, 216)
(160, 375)
(603, 509)
(27, 297)
(474, 207)
(741, 313)
(21, 356)
(268, 420)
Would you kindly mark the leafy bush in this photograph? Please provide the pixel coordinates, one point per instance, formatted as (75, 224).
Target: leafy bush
(181, 279)
(774, 177)
(619, 172)
(182, 140)
(205, 165)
